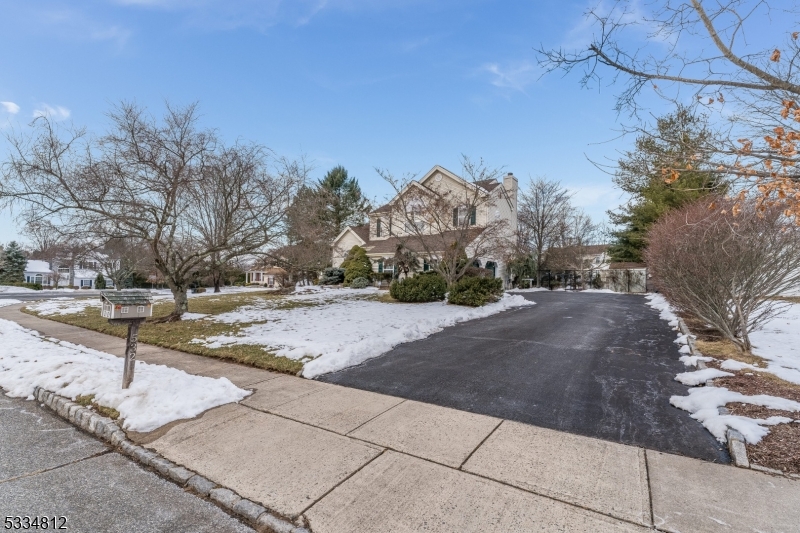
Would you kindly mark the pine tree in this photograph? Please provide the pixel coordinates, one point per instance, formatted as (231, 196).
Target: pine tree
(356, 265)
(674, 143)
(100, 281)
(14, 263)
(345, 203)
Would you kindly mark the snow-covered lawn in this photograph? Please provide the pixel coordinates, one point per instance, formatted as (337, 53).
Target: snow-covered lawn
(158, 395)
(334, 329)
(4, 303)
(777, 342)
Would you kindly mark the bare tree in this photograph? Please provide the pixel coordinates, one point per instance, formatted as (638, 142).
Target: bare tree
(712, 50)
(726, 268)
(119, 259)
(148, 179)
(543, 213)
(451, 224)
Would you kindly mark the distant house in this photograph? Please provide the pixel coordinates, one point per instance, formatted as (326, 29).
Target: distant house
(388, 226)
(270, 277)
(44, 272)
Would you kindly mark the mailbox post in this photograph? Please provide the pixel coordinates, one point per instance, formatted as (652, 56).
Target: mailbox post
(129, 308)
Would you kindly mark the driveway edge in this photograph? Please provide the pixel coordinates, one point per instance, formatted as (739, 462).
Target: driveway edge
(257, 516)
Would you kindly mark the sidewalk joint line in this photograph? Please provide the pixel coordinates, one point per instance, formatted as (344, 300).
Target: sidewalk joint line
(342, 481)
(649, 487)
(461, 466)
(402, 401)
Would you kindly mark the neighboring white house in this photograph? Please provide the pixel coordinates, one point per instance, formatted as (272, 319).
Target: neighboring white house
(387, 227)
(85, 274)
(270, 277)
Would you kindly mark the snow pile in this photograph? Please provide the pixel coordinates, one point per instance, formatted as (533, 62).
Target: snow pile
(532, 289)
(193, 316)
(10, 289)
(157, 396)
(338, 328)
(703, 404)
(4, 303)
(64, 306)
(692, 360)
(659, 303)
(779, 343)
(700, 376)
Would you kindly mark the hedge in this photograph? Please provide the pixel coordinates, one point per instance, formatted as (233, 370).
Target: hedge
(429, 287)
(475, 292)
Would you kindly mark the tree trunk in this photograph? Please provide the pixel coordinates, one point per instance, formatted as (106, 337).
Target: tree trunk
(179, 294)
(217, 278)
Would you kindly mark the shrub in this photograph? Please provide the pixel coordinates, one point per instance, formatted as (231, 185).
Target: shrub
(99, 281)
(332, 276)
(359, 283)
(429, 287)
(726, 265)
(597, 282)
(475, 291)
(356, 265)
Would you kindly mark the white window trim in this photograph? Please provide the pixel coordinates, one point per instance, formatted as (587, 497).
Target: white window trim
(124, 310)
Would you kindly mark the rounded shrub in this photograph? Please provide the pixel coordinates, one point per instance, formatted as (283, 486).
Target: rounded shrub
(420, 288)
(332, 276)
(359, 283)
(356, 265)
(475, 291)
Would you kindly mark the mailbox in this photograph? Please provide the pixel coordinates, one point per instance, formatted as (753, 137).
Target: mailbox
(121, 305)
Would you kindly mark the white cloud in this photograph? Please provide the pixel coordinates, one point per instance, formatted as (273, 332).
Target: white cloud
(514, 76)
(55, 113)
(10, 107)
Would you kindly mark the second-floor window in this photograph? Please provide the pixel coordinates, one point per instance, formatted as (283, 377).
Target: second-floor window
(378, 229)
(464, 215)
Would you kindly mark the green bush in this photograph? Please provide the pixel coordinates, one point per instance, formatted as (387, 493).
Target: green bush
(332, 276)
(475, 291)
(429, 287)
(100, 281)
(356, 265)
(359, 283)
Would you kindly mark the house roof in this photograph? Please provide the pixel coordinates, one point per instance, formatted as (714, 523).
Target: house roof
(35, 265)
(127, 297)
(418, 244)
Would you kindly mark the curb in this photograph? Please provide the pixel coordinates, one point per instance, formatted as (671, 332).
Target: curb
(690, 342)
(253, 514)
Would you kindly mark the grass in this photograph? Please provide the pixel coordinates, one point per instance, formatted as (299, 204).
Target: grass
(725, 349)
(88, 401)
(178, 335)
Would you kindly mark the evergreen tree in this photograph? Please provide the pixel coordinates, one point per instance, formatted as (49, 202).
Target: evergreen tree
(675, 142)
(14, 262)
(345, 203)
(100, 281)
(356, 265)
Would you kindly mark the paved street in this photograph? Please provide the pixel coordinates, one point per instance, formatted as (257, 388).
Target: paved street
(600, 365)
(49, 468)
(44, 295)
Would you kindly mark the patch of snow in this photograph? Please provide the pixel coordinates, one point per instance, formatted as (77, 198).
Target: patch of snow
(4, 303)
(703, 404)
(193, 316)
(685, 349)
(532, 289)
(732, 364)
(700, 376)
(10, 289)
(692, 360)
(157, 396)
(64, 306)
(344, 327)
(666, 312)
(778, 341)
(682, 339)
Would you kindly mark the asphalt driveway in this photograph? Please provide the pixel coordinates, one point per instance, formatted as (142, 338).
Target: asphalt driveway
(600, 365)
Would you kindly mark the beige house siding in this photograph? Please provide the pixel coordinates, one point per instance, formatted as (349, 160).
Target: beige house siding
(342, 246)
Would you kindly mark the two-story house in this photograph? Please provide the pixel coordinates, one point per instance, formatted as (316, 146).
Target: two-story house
(490, 213)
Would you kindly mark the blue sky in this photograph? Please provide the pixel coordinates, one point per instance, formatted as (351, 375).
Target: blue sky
(401, 85)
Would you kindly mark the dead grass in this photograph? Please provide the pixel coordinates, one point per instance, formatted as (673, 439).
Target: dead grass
(88, 401)
(790, 299)
(178, 335)
(725, 349)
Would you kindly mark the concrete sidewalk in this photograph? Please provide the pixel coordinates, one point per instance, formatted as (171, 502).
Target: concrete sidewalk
(351, 460)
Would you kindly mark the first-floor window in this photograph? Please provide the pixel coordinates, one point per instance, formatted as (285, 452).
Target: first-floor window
(124, 309)
(86, 283)
(140, 309)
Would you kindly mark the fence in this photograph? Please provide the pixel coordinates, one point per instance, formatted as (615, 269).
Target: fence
(618, 280)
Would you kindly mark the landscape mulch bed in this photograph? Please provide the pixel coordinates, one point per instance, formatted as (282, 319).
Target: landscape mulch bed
(780, 449)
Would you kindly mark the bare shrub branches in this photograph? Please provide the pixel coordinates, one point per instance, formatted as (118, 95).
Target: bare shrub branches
(726, 268)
